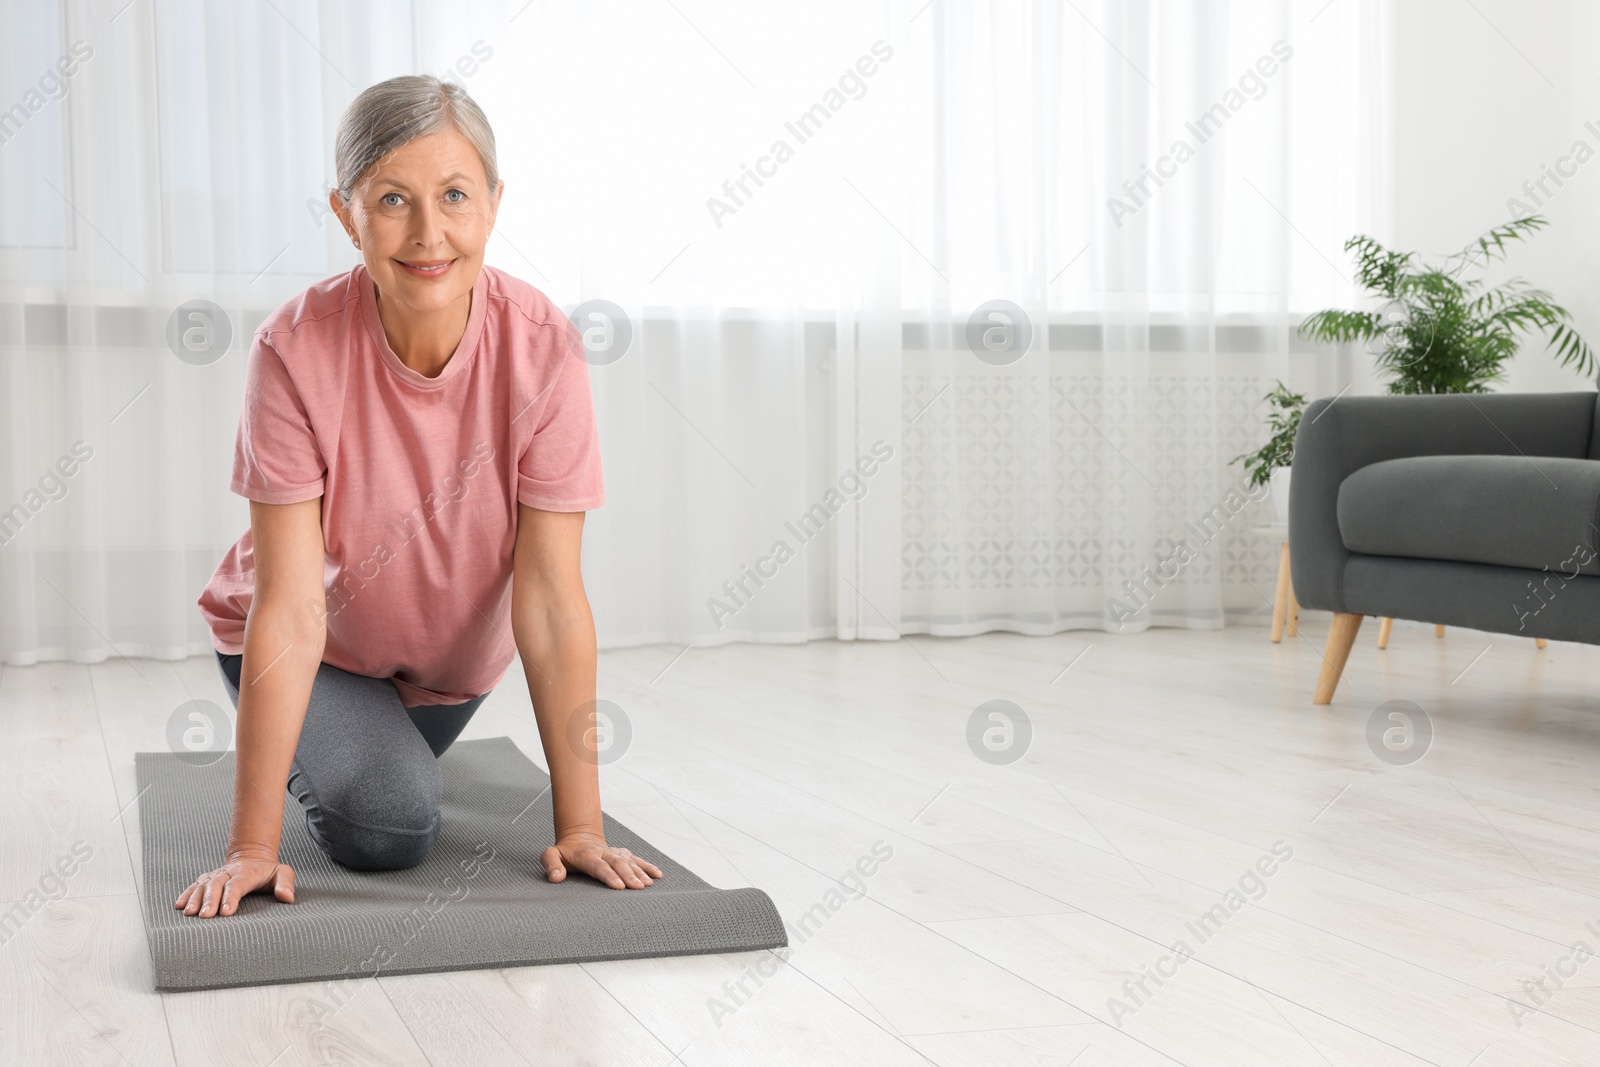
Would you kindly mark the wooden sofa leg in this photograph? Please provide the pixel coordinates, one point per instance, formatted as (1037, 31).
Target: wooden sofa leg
(1341, 636)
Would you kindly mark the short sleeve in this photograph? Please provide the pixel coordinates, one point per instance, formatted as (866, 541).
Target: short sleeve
(275, 457)
(560, 468)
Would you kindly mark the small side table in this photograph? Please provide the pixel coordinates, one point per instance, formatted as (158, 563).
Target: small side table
(1285, 608)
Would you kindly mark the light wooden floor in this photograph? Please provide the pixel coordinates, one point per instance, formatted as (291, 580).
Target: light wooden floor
(1018, 899)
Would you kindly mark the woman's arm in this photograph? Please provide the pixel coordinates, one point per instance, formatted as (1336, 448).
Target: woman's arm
(284, 636)
(554, 631)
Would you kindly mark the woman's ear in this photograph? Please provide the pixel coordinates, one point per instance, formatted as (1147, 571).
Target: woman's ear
(342, 211)
(494, 204)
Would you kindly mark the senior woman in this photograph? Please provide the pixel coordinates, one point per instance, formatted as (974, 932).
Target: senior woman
(418, 447)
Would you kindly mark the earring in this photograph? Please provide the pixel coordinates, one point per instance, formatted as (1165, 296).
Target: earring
(357, 243)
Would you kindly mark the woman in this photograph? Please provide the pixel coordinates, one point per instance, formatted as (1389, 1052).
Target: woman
(417, 442)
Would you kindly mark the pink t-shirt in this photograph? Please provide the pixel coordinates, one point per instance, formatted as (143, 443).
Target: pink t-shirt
(419, 477)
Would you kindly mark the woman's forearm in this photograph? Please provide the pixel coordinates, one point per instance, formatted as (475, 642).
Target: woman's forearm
(558, 657)
(281, 657)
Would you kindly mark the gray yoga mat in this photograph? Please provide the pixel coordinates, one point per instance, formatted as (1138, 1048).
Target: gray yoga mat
(480, 899)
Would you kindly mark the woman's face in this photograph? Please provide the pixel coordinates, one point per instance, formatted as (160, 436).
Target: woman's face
(421, 217)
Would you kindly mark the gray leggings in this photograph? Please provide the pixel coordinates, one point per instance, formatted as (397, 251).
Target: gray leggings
(366, 769)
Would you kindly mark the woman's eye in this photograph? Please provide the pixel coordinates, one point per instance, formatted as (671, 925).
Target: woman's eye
(391, 200)
(454, 196)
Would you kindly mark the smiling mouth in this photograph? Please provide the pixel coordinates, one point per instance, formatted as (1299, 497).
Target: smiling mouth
(426, 269)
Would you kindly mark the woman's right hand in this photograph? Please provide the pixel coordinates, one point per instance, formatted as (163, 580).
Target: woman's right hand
(218, 892)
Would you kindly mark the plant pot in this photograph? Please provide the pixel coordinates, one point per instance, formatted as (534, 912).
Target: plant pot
(1280, 494)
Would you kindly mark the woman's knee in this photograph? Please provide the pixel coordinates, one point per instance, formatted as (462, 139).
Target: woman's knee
(379, 825)
(368, 848)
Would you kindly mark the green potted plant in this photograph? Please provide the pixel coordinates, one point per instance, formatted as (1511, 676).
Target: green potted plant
(1439, 332)
(1270, 464)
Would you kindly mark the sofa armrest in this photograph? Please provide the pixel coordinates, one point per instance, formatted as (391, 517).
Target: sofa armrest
(1339, 436)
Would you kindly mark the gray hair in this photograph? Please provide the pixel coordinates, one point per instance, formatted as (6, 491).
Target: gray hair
(394, 113)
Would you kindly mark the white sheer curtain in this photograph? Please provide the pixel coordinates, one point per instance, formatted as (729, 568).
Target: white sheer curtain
(1164, 189)
(798, 439)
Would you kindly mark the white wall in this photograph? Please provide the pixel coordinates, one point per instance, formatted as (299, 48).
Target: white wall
(1473, 119)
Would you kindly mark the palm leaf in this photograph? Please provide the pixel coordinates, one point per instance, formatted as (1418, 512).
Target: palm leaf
(1337, 327)
(1493, 243)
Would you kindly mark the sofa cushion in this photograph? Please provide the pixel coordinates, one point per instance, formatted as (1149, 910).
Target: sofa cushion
(1514, 511)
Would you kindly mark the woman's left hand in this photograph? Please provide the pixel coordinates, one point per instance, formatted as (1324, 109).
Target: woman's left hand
(589, 853)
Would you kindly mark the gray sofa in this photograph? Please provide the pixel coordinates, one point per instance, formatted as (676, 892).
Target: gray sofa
(1463, 510)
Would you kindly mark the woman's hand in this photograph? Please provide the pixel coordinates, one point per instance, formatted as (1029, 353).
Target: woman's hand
(589, 853)
(218, 892)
